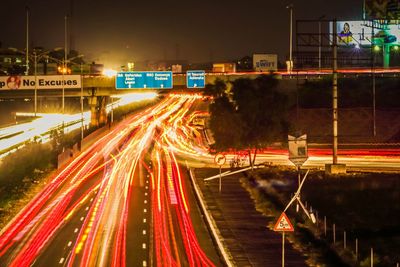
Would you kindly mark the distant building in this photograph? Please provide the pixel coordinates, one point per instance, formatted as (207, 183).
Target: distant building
(11, 62)
(224, 67)
(161, 65)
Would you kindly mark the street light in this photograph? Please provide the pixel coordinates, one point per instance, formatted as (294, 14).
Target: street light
(64, 70)
(64, 63)
(36, 56)
(319, 42)
(290, 67)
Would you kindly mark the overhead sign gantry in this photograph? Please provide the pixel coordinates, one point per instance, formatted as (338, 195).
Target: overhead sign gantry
(144, 80)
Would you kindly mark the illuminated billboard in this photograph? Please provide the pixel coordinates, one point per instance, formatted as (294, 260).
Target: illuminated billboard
(382, 9)
(362, 34)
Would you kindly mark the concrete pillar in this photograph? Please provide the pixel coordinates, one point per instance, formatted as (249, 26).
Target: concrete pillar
(102, 100)
(93, 110)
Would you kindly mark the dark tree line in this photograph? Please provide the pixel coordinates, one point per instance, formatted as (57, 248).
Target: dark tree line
(250, 116)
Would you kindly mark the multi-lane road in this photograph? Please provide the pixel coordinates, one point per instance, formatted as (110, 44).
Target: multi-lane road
(127, 200)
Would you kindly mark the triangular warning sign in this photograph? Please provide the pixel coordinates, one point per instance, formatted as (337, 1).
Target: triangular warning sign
(283, 224)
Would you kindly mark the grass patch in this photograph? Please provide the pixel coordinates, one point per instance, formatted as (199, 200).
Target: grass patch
(365, 205)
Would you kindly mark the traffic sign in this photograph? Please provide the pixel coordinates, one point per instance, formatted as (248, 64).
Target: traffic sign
(144, 80)
(283, 224)
(195, 79)
(298, 153)
(220, 159)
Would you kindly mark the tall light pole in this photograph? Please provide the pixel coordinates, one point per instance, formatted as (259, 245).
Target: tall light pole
(27, 42)
(36, 57)
(64, 63)
(35, 60)
(81, 102)
(290, 7)
(320, 42)
(335, 115)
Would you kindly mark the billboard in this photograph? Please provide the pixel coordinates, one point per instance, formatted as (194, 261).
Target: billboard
(361, 33)
(18, 82)
(265, 62)
(382, 9)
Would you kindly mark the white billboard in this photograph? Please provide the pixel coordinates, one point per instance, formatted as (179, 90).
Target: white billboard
(352, 33)
(18, 82)
(265, 62)
(362, 33)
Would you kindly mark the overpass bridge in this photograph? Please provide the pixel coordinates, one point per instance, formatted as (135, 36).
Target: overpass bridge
(98, 90)
(105, 86)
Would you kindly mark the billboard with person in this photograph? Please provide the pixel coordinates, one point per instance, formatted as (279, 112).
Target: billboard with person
(365, 33)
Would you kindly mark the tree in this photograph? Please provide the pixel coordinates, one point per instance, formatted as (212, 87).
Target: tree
(225, 124)
(218, 89)
(253, 118)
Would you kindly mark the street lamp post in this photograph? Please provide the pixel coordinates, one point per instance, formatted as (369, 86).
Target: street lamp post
(81, 102)
(320, 43)
(290, 67)
(64, 62)
(36, 57)
(35, 60)
(27, 43)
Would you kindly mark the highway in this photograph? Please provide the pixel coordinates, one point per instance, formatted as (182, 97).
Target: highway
(40, 128)
(125, 201)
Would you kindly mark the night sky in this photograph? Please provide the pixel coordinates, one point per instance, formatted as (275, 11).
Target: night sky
(116, 31)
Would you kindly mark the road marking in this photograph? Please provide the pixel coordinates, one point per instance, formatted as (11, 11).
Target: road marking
(69, 243)
(144, 245)
(76, 230)
(144, 210)
(148, 175)
(147, 187)
(145, 193)
(87, 208)
(144, 263)
(91, 199)
(144, 220)
(82, 218)
(147, 181)
(61, 261)
(145, 202)
(144, 232)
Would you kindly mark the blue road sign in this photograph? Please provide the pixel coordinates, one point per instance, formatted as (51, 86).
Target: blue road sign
(195, 79)
(144, 80)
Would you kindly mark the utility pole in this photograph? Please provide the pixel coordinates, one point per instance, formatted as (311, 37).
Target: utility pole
(335, 94)
(290, 67)
(35, 57)
(64, 63)
(27, 42)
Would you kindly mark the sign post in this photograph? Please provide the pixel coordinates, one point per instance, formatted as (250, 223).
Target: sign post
(283, 225)
(220, 160)
(195, 79)
(144, 80)
(298, 154)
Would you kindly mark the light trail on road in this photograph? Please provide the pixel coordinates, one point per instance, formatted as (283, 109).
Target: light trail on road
(102, 179)
(40, 129)
(93, 196)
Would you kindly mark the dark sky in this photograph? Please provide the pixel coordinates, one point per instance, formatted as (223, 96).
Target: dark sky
(117, 31)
